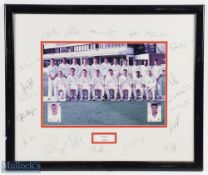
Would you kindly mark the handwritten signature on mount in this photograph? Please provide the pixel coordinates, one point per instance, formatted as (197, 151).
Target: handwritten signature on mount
(27, 113)
(28, 65)
(180, 45)
(27, 85)
(173, 79)
(170, 147)
(27, 90)
(151, 34)
(184, 90)
(109, 32)
(72, 142)
(174, 124)
(50, 33)
(71, 30)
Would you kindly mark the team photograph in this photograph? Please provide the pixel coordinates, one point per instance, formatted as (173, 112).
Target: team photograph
(103, 84)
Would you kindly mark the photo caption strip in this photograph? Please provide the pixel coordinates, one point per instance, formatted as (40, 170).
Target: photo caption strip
(104, 138)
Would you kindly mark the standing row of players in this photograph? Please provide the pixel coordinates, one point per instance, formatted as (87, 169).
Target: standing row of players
(104, 77)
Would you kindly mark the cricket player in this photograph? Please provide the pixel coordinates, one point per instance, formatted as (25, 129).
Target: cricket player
(155, 116)
(60, 87)
(145, 69)
(76, 67)
(72, 83)
(94, 67)
(111, 82)
(64, 67)
(86, 66)
(54, 109)
(150, 86)
(157, 73)
(138, 84)
(116, 68)
(105, 66)
(126, 66)
(52, 71)
(125, 83)
(85, 84)
(98, 84)
(54, 114)
(135, 68)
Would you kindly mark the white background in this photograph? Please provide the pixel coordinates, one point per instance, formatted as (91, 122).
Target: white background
(2, 73)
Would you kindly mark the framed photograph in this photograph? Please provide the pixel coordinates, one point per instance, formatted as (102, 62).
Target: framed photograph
(104, 87)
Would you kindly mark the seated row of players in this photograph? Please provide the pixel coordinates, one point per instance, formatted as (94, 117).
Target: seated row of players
(105, 78)
(67, 85)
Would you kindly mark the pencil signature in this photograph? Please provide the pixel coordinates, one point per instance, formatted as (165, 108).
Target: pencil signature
(180, 45)
(71, 30)
(50, 33)
(173, 79)
(181, 105)
(28, 65)
(154, 34)
(27, 138)
(109, 32)
(136, 141)
(27, 113)
(69, 144)
(27, 90)
(97, 149)
(174, 124)
(170, 147)
(27, 85)
(184, 90)
(134, 33)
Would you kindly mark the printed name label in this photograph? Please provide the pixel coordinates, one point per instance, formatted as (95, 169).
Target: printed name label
(104, 138)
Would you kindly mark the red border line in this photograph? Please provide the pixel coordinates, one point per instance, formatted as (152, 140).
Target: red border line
(103, 133)
(106, 126)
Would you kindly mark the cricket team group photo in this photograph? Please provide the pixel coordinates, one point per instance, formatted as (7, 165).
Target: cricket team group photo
(88, 79)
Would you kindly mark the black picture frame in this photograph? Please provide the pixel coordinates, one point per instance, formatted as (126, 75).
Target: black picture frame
(198, 10)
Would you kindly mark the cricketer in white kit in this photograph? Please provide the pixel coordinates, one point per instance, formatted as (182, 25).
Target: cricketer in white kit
(157, 73)
(98, 84)
(135, 68)
(154, 115)
(116, 68)
(72, 83)
(138, 85)
(111, 82)
(85, 84)
(86, 66)
(125, 83)
(150, 86)
(60, 86)
(144, 69)
(95, 66)
(76, 67)
(52, 71)
(105, 66)
(125, 66)
(64, 67)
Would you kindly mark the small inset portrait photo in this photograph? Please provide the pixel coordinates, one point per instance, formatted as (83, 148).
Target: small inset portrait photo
(54, 112)
(154, 112)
